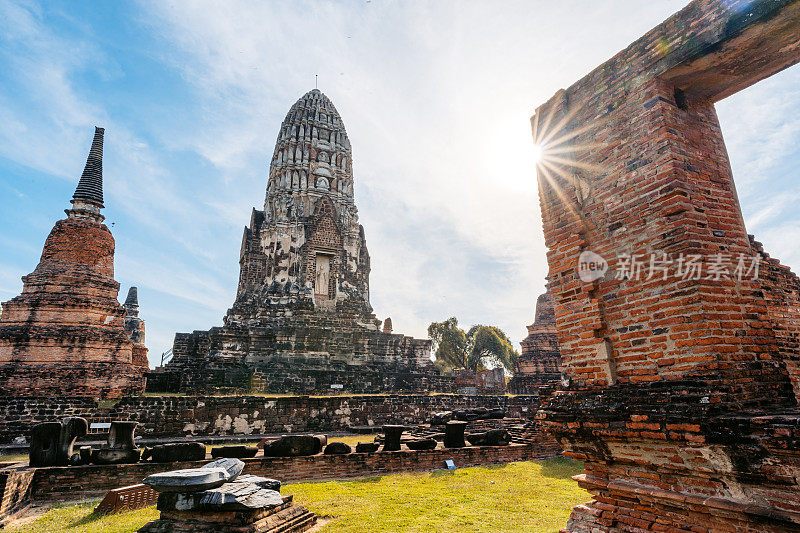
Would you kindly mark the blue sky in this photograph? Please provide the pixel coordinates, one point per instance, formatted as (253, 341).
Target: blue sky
(436, 98)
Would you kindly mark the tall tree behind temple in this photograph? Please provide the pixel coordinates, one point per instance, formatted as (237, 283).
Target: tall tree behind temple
(480, 347)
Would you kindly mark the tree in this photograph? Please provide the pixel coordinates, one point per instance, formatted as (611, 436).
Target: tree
(479, 348)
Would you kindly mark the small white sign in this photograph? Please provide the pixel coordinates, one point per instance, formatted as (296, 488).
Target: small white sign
(100, 425)
(524, 409)
(450, 464)
(337, 386)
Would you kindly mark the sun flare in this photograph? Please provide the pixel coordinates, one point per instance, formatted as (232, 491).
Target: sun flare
(538, 151)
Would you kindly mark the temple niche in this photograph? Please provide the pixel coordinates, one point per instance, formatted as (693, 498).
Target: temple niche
(66, 333)
(539, 363)
(302, 319)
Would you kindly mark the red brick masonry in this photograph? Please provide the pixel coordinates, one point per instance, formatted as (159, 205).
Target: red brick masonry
(65, 333)
(682, 390)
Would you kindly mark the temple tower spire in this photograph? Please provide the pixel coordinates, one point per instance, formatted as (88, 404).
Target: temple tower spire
(132, 302)
(88, 198)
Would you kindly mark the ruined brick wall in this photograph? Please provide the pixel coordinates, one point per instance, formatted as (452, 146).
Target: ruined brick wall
(782, 293)
(93, 481)
(18, 413)
(15, 491)
(66, 333)
(178, 416)
(243, 415)
(671, 376)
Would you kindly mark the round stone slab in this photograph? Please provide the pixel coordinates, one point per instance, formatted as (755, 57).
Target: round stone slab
(189, 480)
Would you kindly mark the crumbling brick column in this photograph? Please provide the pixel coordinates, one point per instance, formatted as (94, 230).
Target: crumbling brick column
(681, 400)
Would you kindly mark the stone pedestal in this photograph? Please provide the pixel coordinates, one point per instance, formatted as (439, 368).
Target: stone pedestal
(120, 448)
(454, 434)
(391, 437)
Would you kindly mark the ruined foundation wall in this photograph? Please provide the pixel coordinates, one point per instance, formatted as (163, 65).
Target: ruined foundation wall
(59, 483)
(305, 354)
(178, 416)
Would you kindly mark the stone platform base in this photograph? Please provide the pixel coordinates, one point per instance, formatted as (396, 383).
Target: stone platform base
(286, 518)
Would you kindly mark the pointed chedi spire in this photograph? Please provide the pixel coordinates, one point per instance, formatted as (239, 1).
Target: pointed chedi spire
(132, 301)
(88, 198)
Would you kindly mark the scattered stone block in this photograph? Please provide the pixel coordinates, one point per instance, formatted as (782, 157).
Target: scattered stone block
(422, 444)
(245, 493)
(441, 418)
(494, 437)
(454, 434)
(239, 452)
(293, 446)
(177, 452)
(209, 476)
(338, 448)
(232, 466)
(127, 499)
(188, 480)
(367, 447)
(85, 453)
(44, 444)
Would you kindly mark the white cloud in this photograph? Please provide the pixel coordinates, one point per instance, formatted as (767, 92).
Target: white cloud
(436, 98)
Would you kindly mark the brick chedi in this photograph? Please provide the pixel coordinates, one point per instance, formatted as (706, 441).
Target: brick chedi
(65, 334)
(302, 319)
(539, 362)
(680, 392)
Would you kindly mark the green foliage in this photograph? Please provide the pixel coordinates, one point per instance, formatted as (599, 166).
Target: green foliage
(480, 347)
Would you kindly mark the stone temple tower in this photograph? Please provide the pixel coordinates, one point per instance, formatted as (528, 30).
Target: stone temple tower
(301, 320)
(307, 242)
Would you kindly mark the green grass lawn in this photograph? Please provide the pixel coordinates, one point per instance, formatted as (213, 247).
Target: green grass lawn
(14, 457)
(518, 497)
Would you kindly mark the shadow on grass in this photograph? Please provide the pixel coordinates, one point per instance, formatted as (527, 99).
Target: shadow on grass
(88, 519)
(440, 473)
(561, 468)
(373, 479)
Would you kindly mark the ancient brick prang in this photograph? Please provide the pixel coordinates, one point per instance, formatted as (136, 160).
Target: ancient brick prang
(539, 363)
(679, 392)
(302, 321)
(65, 334)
